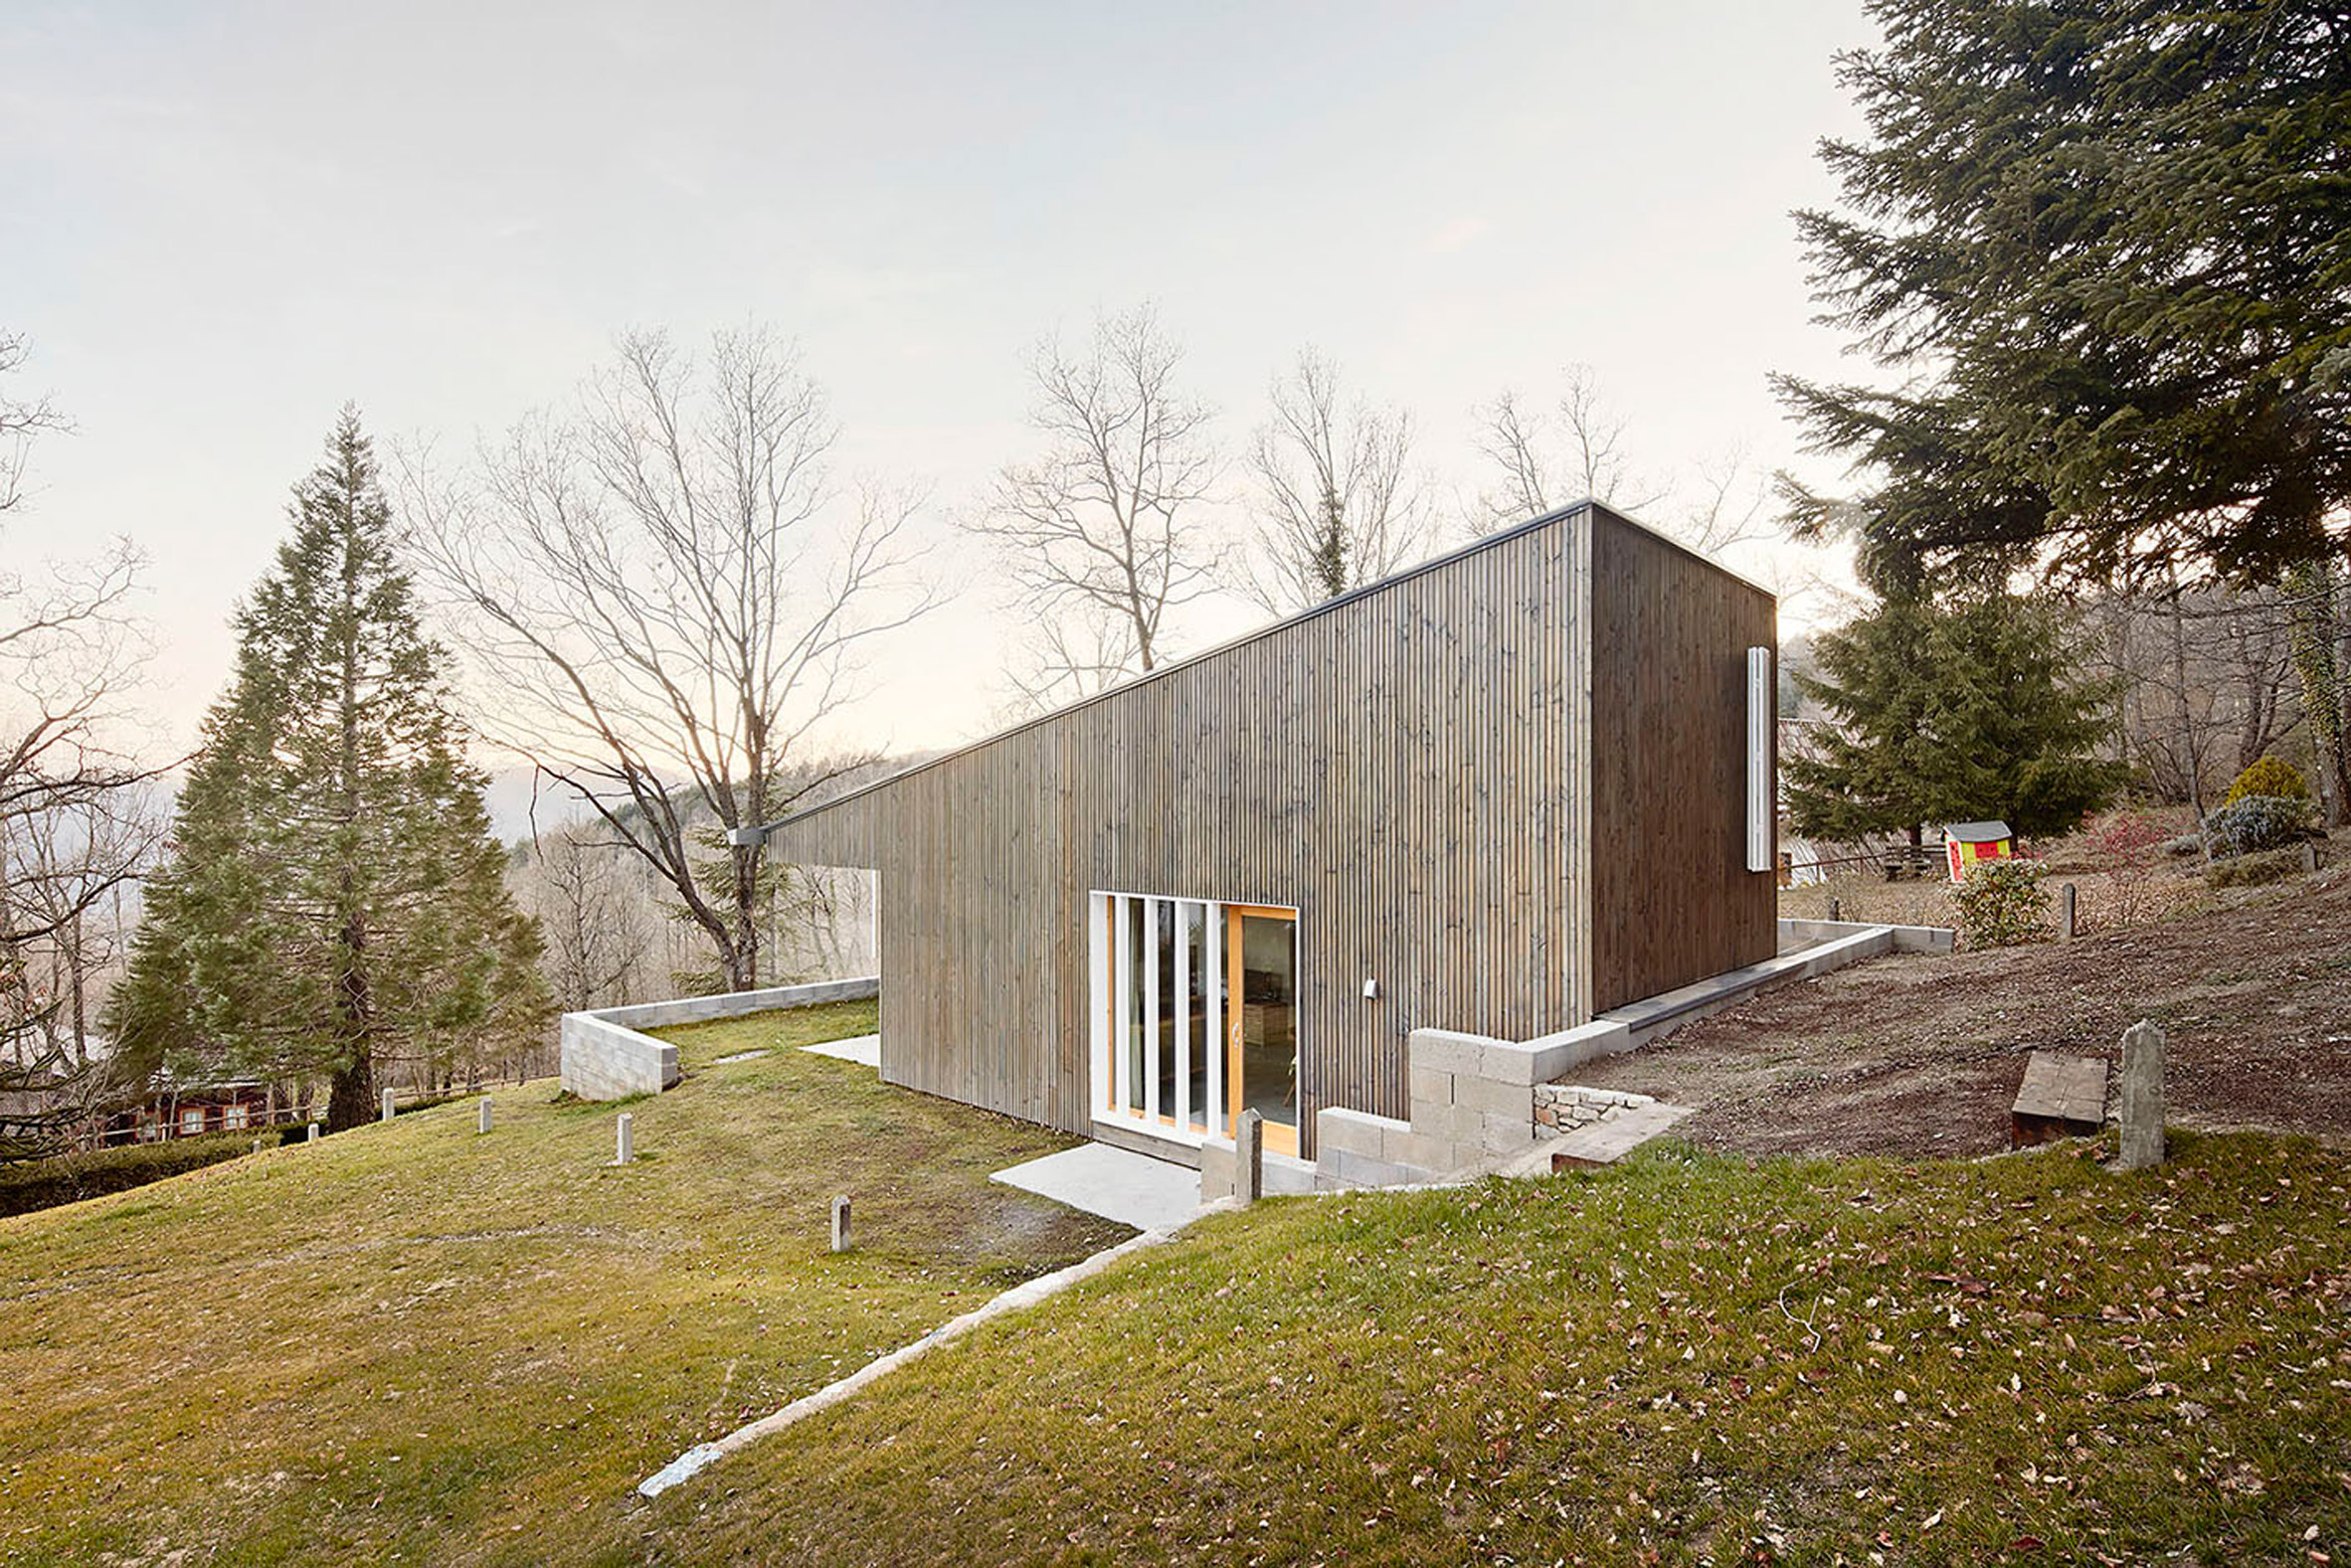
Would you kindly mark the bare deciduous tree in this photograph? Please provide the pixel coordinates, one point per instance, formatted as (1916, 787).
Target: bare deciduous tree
(593, 919)
(1543, 460)
(1546, 459)
(667, 597)
(20, 420)
(1732, 504)
(72, 822)
(1105, 527)
(2207, 679)
(1335, 506)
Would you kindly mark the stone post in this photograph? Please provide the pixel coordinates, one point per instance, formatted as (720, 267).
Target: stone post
(2142, 1097)
(485, 1114)
(2066, 926)
(1836, 910)
(387, 1105)
(628, 1140)
(840, 1224)
(1248, 1157)
(316, 1132)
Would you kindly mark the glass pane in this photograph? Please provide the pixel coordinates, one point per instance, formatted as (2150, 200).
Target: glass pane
(1195, 947)
(1269, 1018)
(1138, 983)
(1164, 978)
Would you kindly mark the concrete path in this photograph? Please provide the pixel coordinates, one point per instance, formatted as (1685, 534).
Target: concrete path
(863, 1049)
(1116, 1183)
(1021, 1297)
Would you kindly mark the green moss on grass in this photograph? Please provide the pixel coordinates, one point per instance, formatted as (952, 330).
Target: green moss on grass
(1686, 1359)
(414, 1343)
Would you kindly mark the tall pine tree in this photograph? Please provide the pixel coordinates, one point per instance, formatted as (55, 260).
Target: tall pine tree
(2102, 246)
(1953, 711)
(337, 902)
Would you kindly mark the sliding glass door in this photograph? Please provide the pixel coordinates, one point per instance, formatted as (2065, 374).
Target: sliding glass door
(1195, 1015)
(1262, 1030)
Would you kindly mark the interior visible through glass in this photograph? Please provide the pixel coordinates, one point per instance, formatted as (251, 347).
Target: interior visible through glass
(1269, 1018)
(1200, 998)
(1163, 1045)
(1137, 983)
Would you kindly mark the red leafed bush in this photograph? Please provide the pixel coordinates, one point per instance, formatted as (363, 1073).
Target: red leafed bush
(2129, 845)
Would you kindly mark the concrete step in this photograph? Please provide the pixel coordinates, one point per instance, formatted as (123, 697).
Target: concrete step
(1606, 1143)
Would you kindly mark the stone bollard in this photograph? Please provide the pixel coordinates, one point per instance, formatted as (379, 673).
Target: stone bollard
(485, 1114)
(1248, 1157)
(387, 1105)
(316, 1132)
(628, 1140)
(2309, 855)
(1836, 910)
(2066, 926)
(840, 1224)
(2142, 1097)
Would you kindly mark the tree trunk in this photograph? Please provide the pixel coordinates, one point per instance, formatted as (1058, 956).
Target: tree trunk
(351, 1099)
(2191, 746)
(2312, 633)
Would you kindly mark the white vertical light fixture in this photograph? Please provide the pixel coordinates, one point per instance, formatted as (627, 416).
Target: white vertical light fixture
(1763, 826)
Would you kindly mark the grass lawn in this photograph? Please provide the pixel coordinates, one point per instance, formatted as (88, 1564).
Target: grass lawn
(412, 1344)
(1689, 1358)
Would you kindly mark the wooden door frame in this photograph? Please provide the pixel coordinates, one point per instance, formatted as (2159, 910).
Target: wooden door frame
(1279, 1138)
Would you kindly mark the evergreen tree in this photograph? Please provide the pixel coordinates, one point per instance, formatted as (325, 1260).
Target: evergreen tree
(335, 901)
(1950, 713)
(2104, 244)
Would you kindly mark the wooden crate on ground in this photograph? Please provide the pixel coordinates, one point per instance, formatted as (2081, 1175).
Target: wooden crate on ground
(2061, 1096)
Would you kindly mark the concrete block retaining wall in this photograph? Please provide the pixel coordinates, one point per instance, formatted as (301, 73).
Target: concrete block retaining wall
(1480, 1103)
(606, 1058)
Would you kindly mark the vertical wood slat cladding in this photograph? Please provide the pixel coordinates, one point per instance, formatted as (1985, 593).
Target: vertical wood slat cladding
(1671, 898)
(1407, 768)
(1389, 767)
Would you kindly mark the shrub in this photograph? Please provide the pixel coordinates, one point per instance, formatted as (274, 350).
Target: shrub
(68, 1178)
(2246, 871)
(2268, 776)
(2002, 903)
(2125, 844)
(2254, 823)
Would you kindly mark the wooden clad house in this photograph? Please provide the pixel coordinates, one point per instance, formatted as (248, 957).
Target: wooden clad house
(1496, 792)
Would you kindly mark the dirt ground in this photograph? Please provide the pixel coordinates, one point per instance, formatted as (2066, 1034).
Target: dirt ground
(1915, 1056)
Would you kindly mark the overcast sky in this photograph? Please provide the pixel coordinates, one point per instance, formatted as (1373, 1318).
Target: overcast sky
(219, 221)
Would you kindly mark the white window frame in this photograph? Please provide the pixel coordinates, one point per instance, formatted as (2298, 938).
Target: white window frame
(1110, 990)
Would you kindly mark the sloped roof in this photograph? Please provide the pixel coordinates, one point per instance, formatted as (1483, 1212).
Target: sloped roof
(1351, 596)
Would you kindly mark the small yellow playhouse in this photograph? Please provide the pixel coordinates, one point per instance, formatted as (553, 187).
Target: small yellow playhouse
(1967, 843)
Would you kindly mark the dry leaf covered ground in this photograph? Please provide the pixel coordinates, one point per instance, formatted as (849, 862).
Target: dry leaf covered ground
(1689, 1358)
(1916, 1056)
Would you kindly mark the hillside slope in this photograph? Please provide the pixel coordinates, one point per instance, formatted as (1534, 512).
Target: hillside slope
(415, 1344)
(1690, 1359)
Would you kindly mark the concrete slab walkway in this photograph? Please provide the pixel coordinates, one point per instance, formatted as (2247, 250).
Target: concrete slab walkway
(863, 1049)
(1116, 1183)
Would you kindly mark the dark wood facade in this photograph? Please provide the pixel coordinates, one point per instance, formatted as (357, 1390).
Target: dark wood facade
(1672, 897)
(1410, 766)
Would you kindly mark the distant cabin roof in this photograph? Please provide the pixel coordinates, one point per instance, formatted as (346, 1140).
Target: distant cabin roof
(1976, 832)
